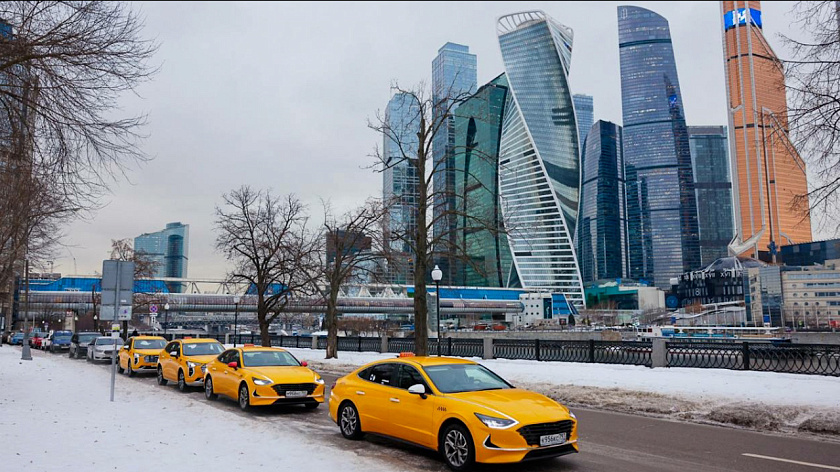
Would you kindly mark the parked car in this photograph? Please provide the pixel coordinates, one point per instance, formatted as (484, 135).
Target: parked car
(37, 339)
(58, 341)
(455, 406)
(263, 376)
(79, 343)
(140, 354)
(185, 361)
(16, 338)
(101, 348)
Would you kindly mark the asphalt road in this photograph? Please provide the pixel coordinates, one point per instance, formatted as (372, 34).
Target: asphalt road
(608, 442)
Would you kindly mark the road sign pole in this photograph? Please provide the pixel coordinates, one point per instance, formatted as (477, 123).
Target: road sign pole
(114, 351)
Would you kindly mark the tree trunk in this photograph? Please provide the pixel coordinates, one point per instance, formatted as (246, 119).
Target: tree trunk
(332, 325)
(421, 265)
(265, 338)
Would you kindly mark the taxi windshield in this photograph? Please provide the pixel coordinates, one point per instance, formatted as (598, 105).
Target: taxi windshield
(202, 349)
(268, 358)
(455, 378)
(148, 343)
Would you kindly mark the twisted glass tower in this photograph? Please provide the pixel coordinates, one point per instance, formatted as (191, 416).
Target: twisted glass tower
(539, 157)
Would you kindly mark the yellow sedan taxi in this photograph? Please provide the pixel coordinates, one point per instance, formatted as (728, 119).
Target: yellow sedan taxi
(140, 354)
(184, 361)
(454, 406)
(257, 376)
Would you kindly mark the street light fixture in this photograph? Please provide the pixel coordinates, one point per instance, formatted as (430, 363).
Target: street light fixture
(235, 318)
(165, 318)
(437, 274)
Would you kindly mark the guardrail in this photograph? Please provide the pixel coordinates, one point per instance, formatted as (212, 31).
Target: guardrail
(818, 359)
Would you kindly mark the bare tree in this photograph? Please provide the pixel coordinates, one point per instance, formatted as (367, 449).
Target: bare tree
(354, 252)
(407, 146)
(814, 89)
(145, 267)
(267, 240)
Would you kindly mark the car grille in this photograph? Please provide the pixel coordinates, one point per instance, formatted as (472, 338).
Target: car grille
(150, 358)
(532, 432)
(282, 388)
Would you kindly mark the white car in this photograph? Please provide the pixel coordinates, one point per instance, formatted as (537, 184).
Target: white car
(100, 349)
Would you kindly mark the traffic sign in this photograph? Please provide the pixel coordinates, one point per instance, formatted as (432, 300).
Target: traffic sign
(153, 308)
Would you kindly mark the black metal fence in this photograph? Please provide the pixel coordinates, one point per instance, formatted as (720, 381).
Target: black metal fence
(820, 359)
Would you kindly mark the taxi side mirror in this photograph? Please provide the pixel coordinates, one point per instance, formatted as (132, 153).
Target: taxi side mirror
(173, 353)
(418, 389)
(233, 365)
(304, 363)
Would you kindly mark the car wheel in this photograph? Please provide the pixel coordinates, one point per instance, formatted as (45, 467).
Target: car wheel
(129, 369)
(311, 406)
(119, 367)
(87, 358)
(160, 378)
(70, 353)
(348, 422)
(182, 382)
(457, 448)
(244, 397)
(208, 389)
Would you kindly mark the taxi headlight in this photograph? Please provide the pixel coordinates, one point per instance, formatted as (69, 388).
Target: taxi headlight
(572, 415)
(192, 365)
(203, 368)
(319, 381)
(136, 358)
(495, 423)
(262, 381)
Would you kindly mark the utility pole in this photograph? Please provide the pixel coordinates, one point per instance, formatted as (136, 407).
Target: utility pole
(25, 353)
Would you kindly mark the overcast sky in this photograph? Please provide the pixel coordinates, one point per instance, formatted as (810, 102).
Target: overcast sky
(277, 95)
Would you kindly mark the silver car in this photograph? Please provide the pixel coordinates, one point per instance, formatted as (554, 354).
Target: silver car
(101, 348)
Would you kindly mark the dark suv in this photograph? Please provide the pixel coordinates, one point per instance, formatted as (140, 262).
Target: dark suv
(79, 343)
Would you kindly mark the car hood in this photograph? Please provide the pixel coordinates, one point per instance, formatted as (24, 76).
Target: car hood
(522, 405)
(147, 352)
(201, 359)
(285, 374)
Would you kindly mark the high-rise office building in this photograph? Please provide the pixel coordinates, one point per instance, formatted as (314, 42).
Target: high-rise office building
(400, 182)
(710, 163)
(539, 157)
(602, 237)
(168, 248)
(661, 204)
(585, 110)
(768, 172)
(453, 79)
(484, 254)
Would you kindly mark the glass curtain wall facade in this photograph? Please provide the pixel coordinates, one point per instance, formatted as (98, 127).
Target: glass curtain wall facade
(485, 255)
(169, 249)
(453, 78)
(713, 184)
(769, 173)
(662, 223)
(585, 111)
(539, 156)
(400, 182)
(601, 237)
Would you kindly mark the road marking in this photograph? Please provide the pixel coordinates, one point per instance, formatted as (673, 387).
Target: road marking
(779, 459)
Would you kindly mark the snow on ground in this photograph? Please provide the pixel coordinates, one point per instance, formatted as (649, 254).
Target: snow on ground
(55, 413)
(701, 385)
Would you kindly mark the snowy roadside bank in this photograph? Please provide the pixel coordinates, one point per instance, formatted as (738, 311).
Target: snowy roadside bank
(764, 401)
(55, 414)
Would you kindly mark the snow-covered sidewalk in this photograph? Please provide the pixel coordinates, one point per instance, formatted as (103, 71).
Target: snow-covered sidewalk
(692, 384)
(55, 415)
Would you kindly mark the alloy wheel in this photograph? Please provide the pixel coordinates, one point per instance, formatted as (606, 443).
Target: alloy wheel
(349, 420)
(455, 448)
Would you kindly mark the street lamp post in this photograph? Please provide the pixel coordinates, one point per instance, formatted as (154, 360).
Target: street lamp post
(235, 318)
(25, 354)
(437, 274)
(165, 318)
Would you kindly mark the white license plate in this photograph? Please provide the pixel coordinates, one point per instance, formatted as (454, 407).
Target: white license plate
(295, 393)
(552, 439)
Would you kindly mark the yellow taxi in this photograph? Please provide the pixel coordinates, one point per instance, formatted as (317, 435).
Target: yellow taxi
(454, 406)
(257, 376)
(140, 354)
(184, 361)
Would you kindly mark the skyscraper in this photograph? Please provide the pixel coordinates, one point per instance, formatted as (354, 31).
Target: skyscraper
(710, 162)
(168, 248)
(539, 159)
(453, 77)
(400, 181)
(769, 173)
(601, 237)
(661, 205)
(585, 110)
(484, 254)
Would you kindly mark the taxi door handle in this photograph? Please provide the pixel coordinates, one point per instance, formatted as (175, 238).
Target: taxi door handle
(359, 392)
(395, 400)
